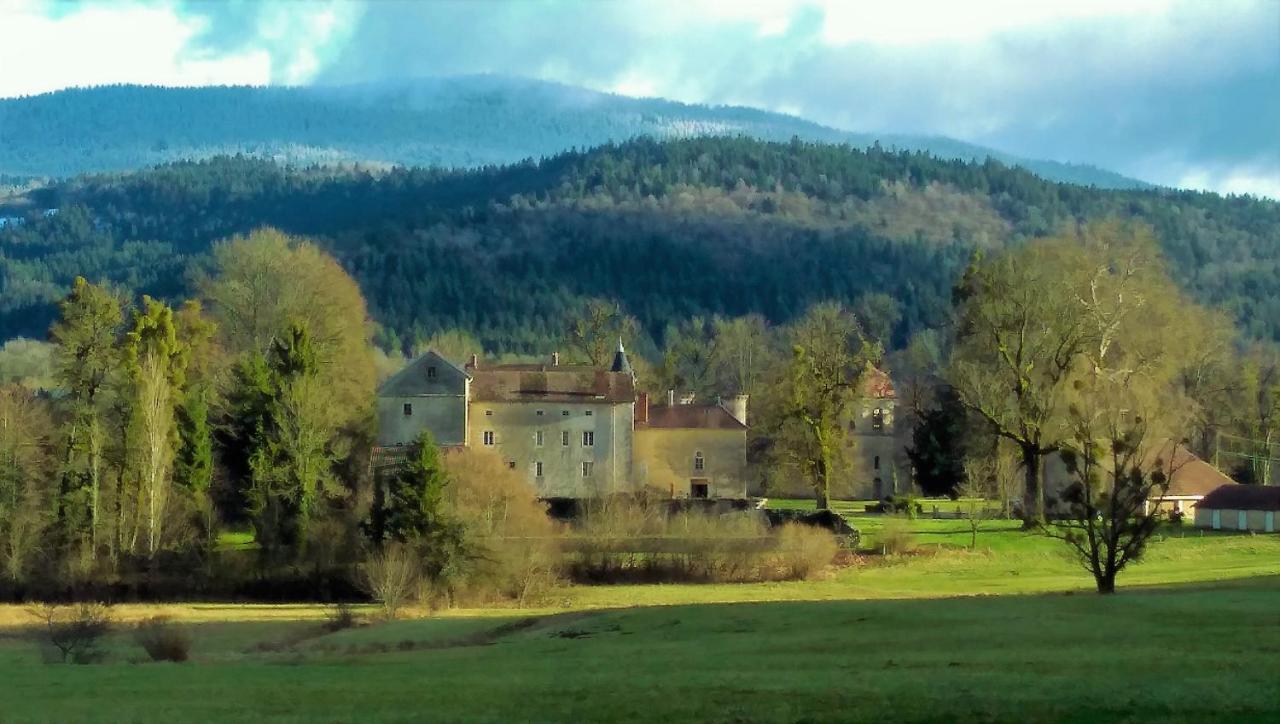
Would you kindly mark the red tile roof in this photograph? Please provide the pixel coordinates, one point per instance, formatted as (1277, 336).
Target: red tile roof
(700, 417)
(550, 383)
(876, 384)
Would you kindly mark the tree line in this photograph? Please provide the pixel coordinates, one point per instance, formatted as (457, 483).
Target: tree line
(672, 230)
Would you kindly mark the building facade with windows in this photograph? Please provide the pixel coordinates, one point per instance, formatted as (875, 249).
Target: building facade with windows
(574, 431)
(879, 467)
(431, 393)
(692, 451)
(567, 427)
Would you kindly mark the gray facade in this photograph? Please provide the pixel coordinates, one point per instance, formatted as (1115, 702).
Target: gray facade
(429, 394)
(550, 442)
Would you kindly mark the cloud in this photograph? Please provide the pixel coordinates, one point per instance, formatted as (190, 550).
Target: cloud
(94, 45)
(48, 46)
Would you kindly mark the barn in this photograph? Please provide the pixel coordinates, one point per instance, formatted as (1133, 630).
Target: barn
(1240, 507)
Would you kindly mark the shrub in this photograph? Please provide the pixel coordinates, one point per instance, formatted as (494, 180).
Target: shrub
(391, 577)
(74, 632)
(515, 546)
(896, 538)
(163, 640)
(632, 538)
(804, 550)
(340, 617)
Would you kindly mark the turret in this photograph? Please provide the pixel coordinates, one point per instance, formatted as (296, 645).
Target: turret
(620, 361)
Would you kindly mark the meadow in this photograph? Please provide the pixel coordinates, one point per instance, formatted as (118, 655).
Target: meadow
(1009, 631)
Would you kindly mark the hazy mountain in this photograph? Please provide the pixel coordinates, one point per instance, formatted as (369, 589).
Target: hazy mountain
(459, 122)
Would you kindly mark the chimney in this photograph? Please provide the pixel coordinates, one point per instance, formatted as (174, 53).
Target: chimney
(671, 398)
(642, 408)
(475, 361)
(555, 359)
(736, 406)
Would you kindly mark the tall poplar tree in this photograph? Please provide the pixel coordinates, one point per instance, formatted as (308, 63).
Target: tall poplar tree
(86, 336)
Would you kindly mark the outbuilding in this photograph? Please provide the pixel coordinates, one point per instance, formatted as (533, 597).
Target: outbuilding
(1190, 479)
(1240, 507)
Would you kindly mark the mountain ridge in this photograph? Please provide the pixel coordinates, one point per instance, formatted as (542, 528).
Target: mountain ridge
(455, 121)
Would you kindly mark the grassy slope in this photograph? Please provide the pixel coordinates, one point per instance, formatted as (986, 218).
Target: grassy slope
(1169, 655)
(799, 651)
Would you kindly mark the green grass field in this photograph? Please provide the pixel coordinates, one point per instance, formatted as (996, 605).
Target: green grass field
(1194, 635)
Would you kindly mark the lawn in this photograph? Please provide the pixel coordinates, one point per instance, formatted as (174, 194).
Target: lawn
(1188, 654)
(1193, 636)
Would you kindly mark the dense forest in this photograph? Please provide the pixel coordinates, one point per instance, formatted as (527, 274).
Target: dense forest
(670, 229)
(466, 121)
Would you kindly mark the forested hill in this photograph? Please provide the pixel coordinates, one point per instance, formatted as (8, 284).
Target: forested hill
(670, 229)
(455, 122)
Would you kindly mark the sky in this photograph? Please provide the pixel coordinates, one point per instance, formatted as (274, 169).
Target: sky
(1177, 92)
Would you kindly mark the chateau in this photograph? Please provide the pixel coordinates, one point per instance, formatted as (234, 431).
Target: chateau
(576, 431)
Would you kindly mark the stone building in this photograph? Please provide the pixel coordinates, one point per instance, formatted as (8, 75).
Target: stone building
(431, 393)
(576, 431)
(692, 451)
(879, 466)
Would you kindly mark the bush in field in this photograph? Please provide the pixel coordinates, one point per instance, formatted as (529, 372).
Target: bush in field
(163, 640)
(804, 551)
(392, 577)
(634, 538)
(515, 547)
(74, 632)
(896, 538)
(340, 617)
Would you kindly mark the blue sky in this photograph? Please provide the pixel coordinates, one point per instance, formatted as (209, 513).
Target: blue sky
(1180, 92)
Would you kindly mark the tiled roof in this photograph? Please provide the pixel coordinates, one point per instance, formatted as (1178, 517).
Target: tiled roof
(876, 384)
(1242, 497)
(1188, 474)
(705, 417)
(550, 383)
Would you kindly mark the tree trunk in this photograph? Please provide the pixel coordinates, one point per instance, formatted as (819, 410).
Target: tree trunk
(1106, 582)
(95, 476)
(1033, 495)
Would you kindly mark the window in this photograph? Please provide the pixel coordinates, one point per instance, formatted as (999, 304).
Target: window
(408, 409)
(588, 439)
(488, 437)
(564, 438)
(564, 413)
(877, 419)
(539, 413)
(431, 373)
(511, 464)
(698, 462)
(876, 462)
(537, 438)
(537, 469)
(586, 469)
(589, 413)
(488, 413)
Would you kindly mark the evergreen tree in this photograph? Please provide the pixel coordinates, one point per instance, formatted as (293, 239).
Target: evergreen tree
(409, 500)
